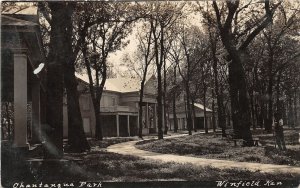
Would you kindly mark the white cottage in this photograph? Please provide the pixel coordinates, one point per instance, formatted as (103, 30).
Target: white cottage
(119, 108)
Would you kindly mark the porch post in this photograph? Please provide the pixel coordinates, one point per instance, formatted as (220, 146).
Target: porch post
(36, 118)
(118, 128)
(20, 98)
(128, 125)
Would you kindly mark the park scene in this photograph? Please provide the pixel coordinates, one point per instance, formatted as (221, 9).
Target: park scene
(150, 93)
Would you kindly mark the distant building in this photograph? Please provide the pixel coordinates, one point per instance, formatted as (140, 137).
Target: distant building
(198, 120)
(119, 108)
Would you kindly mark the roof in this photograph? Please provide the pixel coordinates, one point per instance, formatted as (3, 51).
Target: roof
(10, 21)
(202, 107)
(122, 85)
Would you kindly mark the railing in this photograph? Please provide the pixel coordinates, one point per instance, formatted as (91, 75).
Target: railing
(118, 109)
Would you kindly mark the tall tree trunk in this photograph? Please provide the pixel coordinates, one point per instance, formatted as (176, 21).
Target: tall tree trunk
(213, 113)
(189, 112)
(239, 99)
(164, 97)
(174, 104)
(159, 80)
(95, 92)
(252, 109)
(222, 112)
(278, 105)
(194, 115)
(295, 109)
(54, 105)
(205, 114)
(98, 122)
(256, 123)
(268, 126)
(141, 108)
(218, 93)
(76, 136)
(99, 91)
(159, 104)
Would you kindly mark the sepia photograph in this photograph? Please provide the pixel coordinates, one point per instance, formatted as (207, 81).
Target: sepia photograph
(150, 94)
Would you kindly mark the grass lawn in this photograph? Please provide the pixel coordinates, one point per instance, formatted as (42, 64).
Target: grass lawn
(99, 165)
(213, 147)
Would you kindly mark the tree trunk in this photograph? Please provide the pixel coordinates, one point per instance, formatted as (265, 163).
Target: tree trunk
(99, 91)
(159, 80)
(239, 99)
(54, 105)
(98, 131)
(189, 112)
(76, 137)
(174, 104)
(268, 126)
(165, 100)
(141, 109)
(219, 95)
(159, 103)
(213, 115)
(194, 115)
(295, 109)
(205, 114)
(252, 110)
(174, 114)
(222, 112)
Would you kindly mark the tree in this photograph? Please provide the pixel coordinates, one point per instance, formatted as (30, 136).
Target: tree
(76, 137)
(54, 106)
(164, 15)
(107, 35)
(144, 57)
(214, 40)
(237, 54)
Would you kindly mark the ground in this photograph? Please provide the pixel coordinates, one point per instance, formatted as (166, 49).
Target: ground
(215, 147)
(100, 165)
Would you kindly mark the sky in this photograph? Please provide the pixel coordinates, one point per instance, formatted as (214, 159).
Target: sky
(115, 58)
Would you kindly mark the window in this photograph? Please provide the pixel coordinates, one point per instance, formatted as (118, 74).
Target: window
(113, 101)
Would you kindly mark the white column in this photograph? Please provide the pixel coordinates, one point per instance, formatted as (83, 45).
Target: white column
(128, 125)
(36, 110)
(20, 99)
(118, 128)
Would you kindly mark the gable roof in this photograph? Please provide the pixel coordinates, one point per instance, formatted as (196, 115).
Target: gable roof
(122, 85)
(202, 107)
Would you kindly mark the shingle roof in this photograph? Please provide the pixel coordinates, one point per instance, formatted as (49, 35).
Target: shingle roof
(121, 85)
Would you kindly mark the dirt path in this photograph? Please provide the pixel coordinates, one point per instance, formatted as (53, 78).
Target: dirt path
(128, 148)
